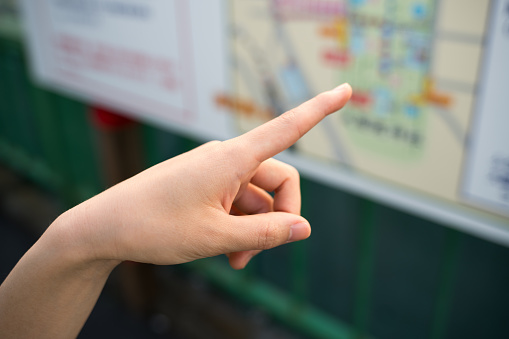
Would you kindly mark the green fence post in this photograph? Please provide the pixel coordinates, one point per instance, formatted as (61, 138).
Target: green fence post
(80, 151)
(365, 264)
(4, 107)
(11, 128)
(446, 280)
(23, 102)
(151, 147)
(47, 129)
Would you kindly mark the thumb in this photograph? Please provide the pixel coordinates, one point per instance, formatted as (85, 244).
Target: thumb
(268, 230)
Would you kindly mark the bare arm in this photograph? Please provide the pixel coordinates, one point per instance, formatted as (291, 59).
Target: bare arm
(210, 201)
(53, 288)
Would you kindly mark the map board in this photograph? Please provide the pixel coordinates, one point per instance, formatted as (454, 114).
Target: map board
(425, 130)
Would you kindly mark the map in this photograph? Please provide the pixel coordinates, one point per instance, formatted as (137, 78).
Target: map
(413, 66)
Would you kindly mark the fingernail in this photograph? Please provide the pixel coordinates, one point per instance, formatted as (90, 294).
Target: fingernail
(342, 87)
(298, 232)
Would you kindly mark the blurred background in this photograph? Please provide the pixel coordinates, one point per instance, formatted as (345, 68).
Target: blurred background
(370, 270)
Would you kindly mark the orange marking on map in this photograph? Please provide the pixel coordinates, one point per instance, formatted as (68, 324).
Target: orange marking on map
(243, 107)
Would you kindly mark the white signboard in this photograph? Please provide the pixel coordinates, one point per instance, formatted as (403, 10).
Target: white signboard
(158, 59)
(425, 129)
(487, 175)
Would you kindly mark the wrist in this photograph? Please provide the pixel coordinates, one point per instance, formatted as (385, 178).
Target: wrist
(55, 285)
(73, 240)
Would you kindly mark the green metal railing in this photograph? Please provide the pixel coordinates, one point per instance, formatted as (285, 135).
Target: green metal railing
(43, 135)
(367, 271)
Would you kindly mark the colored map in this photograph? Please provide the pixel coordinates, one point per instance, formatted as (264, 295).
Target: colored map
(413, 65)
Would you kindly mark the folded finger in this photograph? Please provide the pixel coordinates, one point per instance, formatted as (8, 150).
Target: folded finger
(253, 200)
(282, 179)
(239, 260)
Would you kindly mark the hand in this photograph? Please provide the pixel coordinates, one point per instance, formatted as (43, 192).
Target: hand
(212, 200)
(206, 202)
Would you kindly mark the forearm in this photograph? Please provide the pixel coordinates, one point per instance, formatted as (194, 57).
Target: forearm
(53, 288)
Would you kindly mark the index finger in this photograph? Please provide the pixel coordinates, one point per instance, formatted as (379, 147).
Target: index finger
(282, 132)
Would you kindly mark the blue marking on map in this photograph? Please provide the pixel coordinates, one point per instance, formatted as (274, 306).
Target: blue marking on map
(357, 42)
(419, 11)
(387, 31)
(417, 51)
(385, 65)
(412, 111)
(294, 83)
(382, 101)
(357, 2)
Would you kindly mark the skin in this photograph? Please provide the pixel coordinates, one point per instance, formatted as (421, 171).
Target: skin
(209, 201)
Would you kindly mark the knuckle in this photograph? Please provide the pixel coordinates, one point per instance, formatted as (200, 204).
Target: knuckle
(269, 235)
(289, 116)
(220, 150)
(232, 149)
(289, 171)
(293, 173)
(289, 119)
